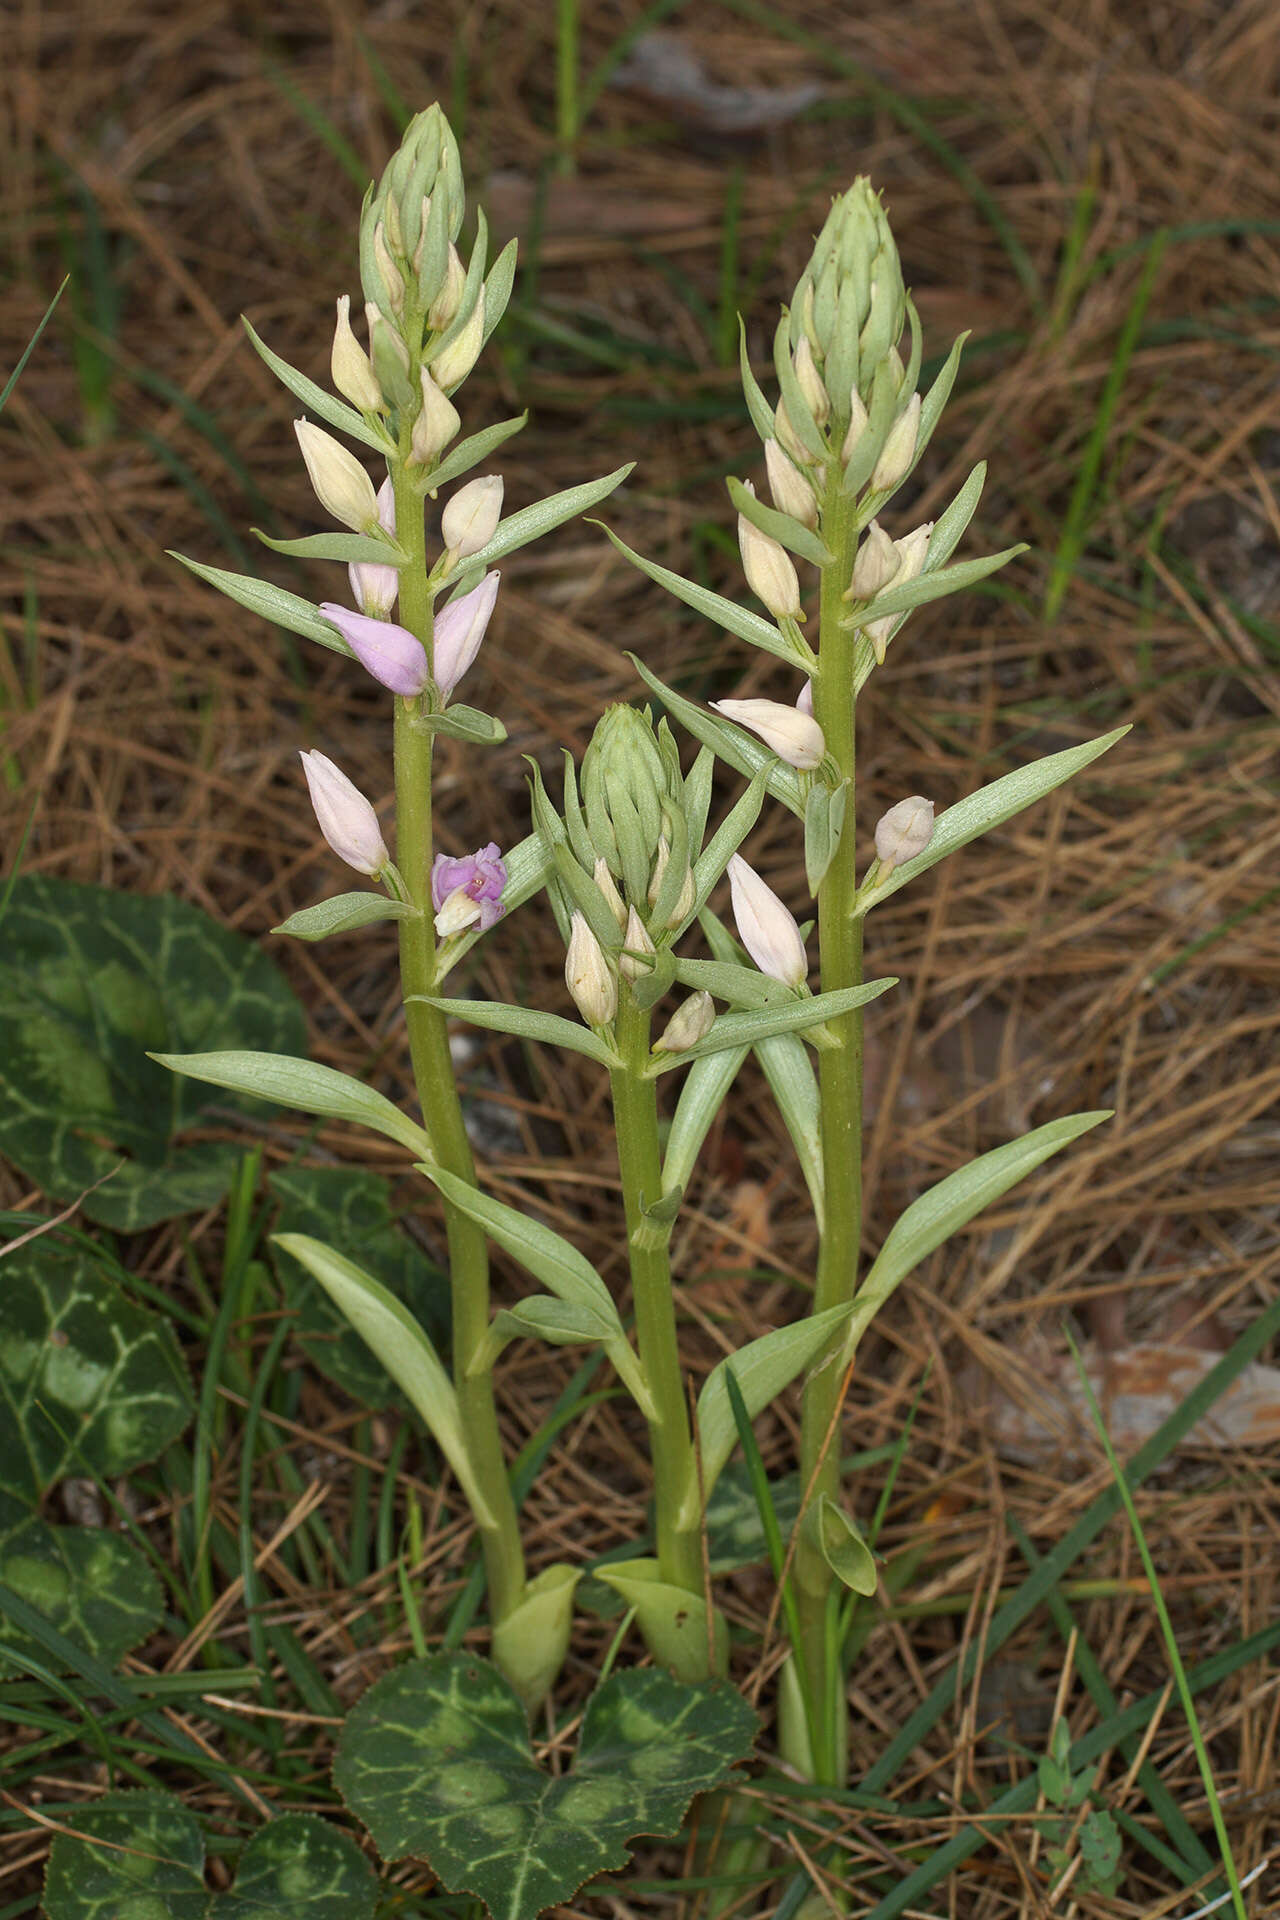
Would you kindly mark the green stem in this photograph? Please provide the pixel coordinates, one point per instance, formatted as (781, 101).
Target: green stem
(437, 1089)
(635, 1111)
(840, 1090)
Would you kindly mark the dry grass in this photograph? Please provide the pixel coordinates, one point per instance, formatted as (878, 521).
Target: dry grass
(1114, 946)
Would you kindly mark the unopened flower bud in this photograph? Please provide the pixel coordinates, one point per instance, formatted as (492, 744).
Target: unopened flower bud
(787, 437)
(455, 360)
(613, 899)
(471, 517)
(435, 425)
(449, 299)
(791, 491)
(467, 892)
(857, 426)
(911, 550)
(636, 936)
(588, 976)
(810, 382)
(375, 587)
(766, 929)
(383, 338)
(899, 449)
(352, 370)
(878, 634)
(392, 278)
(341, 484)
(344, 816)
(769, 570)
(688, 893)
(903, 832)
(877, 563)
(805, 702)
(897, 372)
(459, 629)
(692, 1021)
(393, 655)
(794, 736)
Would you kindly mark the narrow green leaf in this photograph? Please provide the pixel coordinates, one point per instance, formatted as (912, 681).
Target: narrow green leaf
(782, 527)
(729, 980)
(317, 401)
(842, 1546)
(497, 288)
(547, 1255)
(762, 1369)
(935, 400)
(391, 1333)
(735, 747)
(794, 1084)
(757, 405)
(518, 529)
(304, 1084)
(349, 548)
(284, 609)
(705, 1086)
(728, 837)
(469, 453)
(543, 1317)
(748, 626)
(799, 412)
(547, 1028)
(990, 807)
(344, 913)
(952, 523)
(823, 824)
(465, 723)
(745, 1029)
(932, 586)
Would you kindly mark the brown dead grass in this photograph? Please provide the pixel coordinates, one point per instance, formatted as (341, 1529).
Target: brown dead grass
(1111, 947)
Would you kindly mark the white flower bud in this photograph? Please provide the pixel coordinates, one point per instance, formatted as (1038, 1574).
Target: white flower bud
(857, 426)
(374, 586)
(794, 736)
(903, 832)
(810, 383)
(766, 929)
(897, 372)
(392, 278)
(912, 549)
(805, 702)
(377, 321)
(878, 634)
(435, 426)
(350, 366)
(449, 298)
(455, 361)
(613, 899)
(691, 1022)
(877, 563)
(636, 936)
(588, 976)
(469, 520)
(769, 570)
(688, 892)
(341, 484)
(344, 816)
(899, 449)
(787, 437)
(791, 491)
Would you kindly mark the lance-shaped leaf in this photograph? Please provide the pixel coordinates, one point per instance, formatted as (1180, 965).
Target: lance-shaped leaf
(727, 838)
(530, 523)
(746, 1029)
(283, 609)
(932, 586)
(799, 412)
(752, 627)
(465, 723)
(345, 913)
(701, 1097)
(990, 807)
(823, 825)
(362, 548)
(324, 405)
(540, 1317)
(842, 1546)
(391, 1333)
(730, 980)
(547, 1028)
(467, 454)
(782, 527)
(757, 404)
(938, 395)
(762, 1369)
(497, 288)
(794, 1085)
(734, 746)
(940, 1212)
(304, 1084)
(952, 523)
(553, 1260)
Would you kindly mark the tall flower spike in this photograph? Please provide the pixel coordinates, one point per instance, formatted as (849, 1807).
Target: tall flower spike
(459, 629)
(794, 736)
(467, 892)
(766, 928)
(344, 816)
(391, 654)
(341, 484)
(374, 586)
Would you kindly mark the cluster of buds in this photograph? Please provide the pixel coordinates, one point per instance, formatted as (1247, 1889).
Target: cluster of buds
(882, 563)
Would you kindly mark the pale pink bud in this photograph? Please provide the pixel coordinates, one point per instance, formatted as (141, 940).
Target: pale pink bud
(857, 426)
(766, 929)
(435, 425)
(588, 975)
(352, 370)
(794, 736)
(392, 654)
(455, 360)
(912, 549)
(805, 703)
(459, 630)
(692, 1021)
(636, 936)
(345, 817)
(876, 564)
(899, 449)
(341, 484)
(374, 586)
(791, 491)
(769, 570)
(613, 899)
(809, 381)
(903, 832)
(471, 517)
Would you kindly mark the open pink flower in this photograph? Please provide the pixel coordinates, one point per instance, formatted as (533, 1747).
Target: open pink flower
(467, 892)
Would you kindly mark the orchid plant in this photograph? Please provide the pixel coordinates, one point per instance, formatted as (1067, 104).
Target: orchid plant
(629, 863)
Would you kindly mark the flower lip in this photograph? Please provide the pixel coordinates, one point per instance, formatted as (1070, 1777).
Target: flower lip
(392, 654)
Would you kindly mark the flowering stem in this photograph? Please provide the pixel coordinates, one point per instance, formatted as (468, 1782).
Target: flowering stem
(840, 1089)
(437, 1089)
(635, 1110)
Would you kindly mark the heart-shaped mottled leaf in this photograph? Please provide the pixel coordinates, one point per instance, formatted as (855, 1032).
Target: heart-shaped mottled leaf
(436, 1761)
(351, 1210)
(90, 980)
(89, 1382)
(93, 1587)
(141, 1856)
